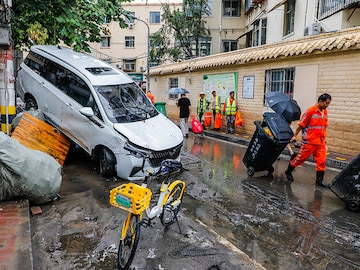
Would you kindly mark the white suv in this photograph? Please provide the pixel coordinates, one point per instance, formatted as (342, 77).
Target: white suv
(98, 107)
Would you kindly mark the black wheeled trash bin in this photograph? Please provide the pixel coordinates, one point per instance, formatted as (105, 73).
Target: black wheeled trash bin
(346, 185)
(269, 140)
(160, 106)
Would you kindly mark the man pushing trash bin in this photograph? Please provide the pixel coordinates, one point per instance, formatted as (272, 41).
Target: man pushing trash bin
(313, 124)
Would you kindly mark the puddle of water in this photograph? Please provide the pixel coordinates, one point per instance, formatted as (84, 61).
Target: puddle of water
(281, 226)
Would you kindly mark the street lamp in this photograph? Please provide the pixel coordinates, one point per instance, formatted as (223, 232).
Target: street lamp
(148, 50)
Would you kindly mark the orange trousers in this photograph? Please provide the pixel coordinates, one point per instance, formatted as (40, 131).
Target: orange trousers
(306, 150)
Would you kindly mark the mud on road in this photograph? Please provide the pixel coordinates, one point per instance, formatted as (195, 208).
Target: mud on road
(81, 230)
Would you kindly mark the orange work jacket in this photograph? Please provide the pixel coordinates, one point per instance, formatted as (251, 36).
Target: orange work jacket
(314, 124)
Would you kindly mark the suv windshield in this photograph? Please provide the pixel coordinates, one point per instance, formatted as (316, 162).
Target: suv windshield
(125, 103)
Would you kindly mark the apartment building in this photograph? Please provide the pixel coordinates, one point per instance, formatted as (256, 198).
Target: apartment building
(127, 48)
(274, 21)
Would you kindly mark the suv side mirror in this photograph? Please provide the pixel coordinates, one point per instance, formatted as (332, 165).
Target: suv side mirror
(87, 111)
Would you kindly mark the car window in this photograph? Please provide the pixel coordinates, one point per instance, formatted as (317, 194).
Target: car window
(35, 62)
(71, 84)
(125, 103)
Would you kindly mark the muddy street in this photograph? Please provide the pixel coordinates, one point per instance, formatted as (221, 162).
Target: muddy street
(280, 225)
(81, 230)
(228, 220)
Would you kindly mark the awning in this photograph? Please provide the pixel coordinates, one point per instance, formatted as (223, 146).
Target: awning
(243, 34)
(277, 5)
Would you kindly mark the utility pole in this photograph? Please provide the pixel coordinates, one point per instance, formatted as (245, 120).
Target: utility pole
(7, 79)
(148, 52)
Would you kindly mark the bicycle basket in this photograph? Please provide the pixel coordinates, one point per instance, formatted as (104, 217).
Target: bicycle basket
(130, 197)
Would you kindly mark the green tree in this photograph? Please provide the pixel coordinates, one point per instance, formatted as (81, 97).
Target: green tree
(182, 29)
(76, 22)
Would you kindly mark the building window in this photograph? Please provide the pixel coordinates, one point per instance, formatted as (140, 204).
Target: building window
(259, 32)
(107, 20)
(129, 65)
(173, 82)
(204, 46)
(289, 17)
(105, 42)
(231, 8)
(230, 45)
(209, 8)
(280, 80)
(154, 17)
(129, 41)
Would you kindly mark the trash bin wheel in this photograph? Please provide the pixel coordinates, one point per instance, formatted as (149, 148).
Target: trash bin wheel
(250, 171)
(353, 205)
(271, 170)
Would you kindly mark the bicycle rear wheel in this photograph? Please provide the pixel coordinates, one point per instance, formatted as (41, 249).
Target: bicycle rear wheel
(129, 241)
(173, 202)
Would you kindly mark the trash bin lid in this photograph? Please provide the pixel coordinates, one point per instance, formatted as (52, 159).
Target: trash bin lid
(278, 126)
(159, 103)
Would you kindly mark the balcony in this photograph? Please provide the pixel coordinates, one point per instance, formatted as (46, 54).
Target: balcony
(330, 7)
(250, 5)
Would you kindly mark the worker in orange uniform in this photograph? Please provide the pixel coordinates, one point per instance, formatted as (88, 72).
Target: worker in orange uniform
(313, 124)
(150, 96)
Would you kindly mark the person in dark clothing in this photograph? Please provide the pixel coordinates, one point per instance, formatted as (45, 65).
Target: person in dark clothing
(185, 110)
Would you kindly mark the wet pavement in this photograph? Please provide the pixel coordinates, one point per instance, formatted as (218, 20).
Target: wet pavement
(81, 231)
(228, 220)
(280, 225)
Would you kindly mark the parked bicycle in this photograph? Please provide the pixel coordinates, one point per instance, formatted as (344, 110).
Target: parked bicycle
(135, 199)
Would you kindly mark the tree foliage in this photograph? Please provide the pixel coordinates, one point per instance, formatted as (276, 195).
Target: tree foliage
(76, 22)
(181, 31)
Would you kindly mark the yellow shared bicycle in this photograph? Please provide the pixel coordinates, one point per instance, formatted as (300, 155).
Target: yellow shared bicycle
(135, 199)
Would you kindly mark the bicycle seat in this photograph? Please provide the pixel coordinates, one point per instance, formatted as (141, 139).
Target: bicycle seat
(171, 164)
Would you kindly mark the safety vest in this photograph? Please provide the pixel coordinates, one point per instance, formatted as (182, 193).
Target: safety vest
(314, 124)
(204, 105)
(230, 108)
(217, 104)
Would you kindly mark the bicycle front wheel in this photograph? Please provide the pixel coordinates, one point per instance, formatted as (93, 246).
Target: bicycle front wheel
(128, 242)
(172, 205)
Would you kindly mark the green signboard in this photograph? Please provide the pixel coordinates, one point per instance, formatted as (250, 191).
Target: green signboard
(222, 83)
(137, 77)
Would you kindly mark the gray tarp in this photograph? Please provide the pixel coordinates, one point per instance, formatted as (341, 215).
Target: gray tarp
(27, 173)
(36, 113)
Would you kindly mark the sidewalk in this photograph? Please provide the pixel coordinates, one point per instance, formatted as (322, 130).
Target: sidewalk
(15, 239)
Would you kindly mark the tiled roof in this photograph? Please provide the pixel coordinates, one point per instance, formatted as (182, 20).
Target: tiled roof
(341, 40)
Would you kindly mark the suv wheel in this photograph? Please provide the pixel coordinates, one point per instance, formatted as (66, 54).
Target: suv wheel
(30, 103)
(106, 162)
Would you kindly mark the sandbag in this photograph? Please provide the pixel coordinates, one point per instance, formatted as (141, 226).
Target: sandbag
(207, 119)
(27, 173)
(218, 121)
(238, 119)
(196, 126)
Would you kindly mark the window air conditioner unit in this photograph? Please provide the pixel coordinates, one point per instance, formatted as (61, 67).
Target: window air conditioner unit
(312, 29)
(142, 68)
(118, 66)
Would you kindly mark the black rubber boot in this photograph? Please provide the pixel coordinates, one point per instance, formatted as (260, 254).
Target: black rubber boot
(320, 179)
(288, 173)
